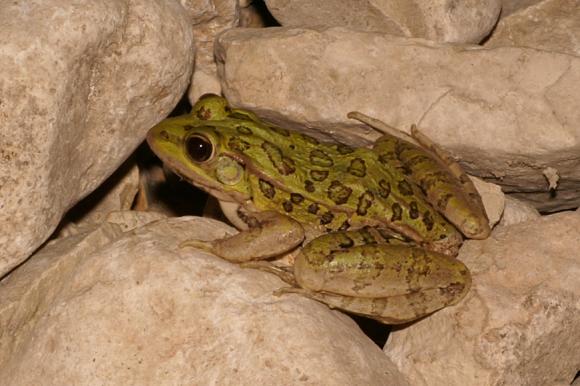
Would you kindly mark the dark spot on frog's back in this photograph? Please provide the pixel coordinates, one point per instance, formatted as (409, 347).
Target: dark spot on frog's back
(313, 208)
(428, 220)
(357, 167)
(318, 175)
(287, 205)
(344, 226)
(320, 158)
(345, 241)
(283, 165)
(326, 218)
(296, 198)
(309, 186)
(413, 210)
(443, 201)
(405, 188)
(397, 212)
(338, 192)
(267, 189)
(365, 201)
(384, 188)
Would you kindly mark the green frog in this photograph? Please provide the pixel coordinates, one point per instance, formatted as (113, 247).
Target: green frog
(382, 225)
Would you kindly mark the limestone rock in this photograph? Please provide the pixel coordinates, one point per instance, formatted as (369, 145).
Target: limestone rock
(519, 324)
(209, 18)
(445, 21)
(506, 113)
(493, 199)
(117, 193)
(80, 84)
(510, 6)
(359, 15)
(517, 211)
(118, 308)
(552, 25)
(468, 21)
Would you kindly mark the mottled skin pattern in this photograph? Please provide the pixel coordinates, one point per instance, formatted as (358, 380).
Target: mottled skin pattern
(387, 251)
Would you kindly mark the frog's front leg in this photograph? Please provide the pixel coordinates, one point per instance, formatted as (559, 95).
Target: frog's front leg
(393, 283)
(272, 234)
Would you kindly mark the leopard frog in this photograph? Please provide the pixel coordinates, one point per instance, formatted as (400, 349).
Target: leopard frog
(379, 244)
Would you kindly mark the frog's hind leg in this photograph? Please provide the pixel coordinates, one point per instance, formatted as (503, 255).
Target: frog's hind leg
(384, 279)
(272, 235)
(392, 310)
(444, 183)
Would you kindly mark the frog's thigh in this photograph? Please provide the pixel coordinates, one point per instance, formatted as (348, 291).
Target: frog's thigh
(380, 271)
(275, 235)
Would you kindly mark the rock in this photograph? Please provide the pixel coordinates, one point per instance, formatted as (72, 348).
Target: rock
(359, 15)
(493, 199)
(208, 20)
(510, 6)
(117, 308)
(117, 193)
(519, 324)
(507, 113)
(81, 83)
(552, 25)
(444, 21)
(517, 211)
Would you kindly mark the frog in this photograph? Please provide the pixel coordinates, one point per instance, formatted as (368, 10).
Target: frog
(375, 230)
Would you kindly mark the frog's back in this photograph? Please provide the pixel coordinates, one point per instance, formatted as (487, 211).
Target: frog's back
(332, 185)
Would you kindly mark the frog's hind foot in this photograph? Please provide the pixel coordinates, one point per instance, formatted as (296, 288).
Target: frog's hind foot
(284, 273)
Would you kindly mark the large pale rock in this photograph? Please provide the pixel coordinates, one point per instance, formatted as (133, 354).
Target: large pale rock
(510, 6)
(80, 84)
(358, 15)
(552, 25)
(508, 113)
(108, 307)
(441, 20)
(519, 324)
(208, 17)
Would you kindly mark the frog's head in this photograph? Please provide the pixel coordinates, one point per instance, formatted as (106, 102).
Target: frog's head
(201, 152)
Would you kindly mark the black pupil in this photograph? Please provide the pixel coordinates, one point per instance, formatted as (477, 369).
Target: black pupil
(198, 148)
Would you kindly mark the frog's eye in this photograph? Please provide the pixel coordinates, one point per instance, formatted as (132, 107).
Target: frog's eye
(199, 148)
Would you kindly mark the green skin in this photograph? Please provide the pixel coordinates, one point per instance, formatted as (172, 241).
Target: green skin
(379, 247)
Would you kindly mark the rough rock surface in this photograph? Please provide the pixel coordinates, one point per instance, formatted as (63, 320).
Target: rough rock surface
(442, 20)
(510, 6)
(520, 323)
(209, 18)
(517, 211)
(507, 113)
(114, 308)
(80, 84)
(552, 25)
